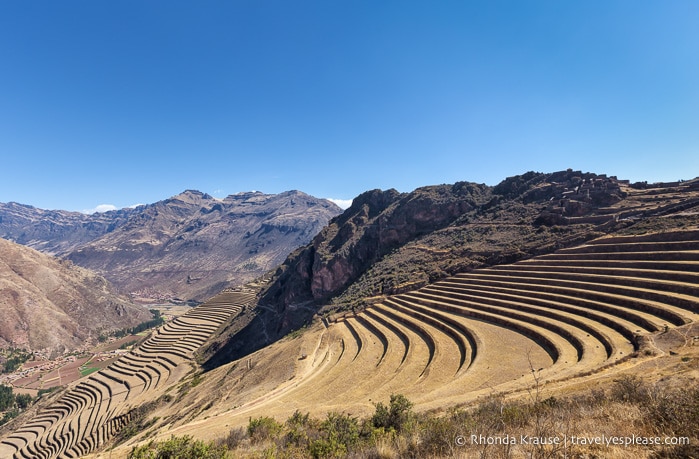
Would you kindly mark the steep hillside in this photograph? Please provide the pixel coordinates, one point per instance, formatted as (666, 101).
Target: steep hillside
(190, 246)
(435, 231)
(46, 303)
(582, 317)
(592, 309)
(376, 223)
(100, 406)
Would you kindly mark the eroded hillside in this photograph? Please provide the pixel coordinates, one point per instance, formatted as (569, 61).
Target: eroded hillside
(56, 232)
(46, 303)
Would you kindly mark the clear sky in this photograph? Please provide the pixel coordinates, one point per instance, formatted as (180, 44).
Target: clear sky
(131, 101)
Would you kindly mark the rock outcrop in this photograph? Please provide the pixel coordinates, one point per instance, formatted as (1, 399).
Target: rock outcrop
(376, 223)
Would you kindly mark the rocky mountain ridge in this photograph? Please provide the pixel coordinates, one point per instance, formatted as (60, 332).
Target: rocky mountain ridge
(56, 232)
(342, 285)
(376, 223)
(189, 246)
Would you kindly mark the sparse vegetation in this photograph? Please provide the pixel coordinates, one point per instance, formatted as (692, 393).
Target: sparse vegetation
(47, 391)
(263, 428)
(394, 417)
(629, 408)
(578, 312)
(178, 448)
(297, 333)
(140, 420)
(128, 344)
(196, 380)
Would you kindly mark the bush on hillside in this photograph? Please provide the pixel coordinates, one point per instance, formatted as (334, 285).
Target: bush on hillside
(263, 428)
(178, 448)
(395, 416)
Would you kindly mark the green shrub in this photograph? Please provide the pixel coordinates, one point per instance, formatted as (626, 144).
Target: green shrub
(341, 426)
(339, 432)
(178, 448)
(298, 427)
(234, 438)
(15, 359)
(9, 415)
(196, 380)
(7, 398)
(263, 428)
(327, 448)
(23, 401)
(396, 416)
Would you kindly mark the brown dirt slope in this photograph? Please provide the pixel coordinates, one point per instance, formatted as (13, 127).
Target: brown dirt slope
(46, 303)
(563, 279)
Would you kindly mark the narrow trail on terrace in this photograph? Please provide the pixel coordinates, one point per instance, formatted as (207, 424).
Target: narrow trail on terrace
(320, 358)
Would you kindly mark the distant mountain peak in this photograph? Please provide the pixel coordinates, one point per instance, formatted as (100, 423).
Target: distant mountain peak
(193, 196)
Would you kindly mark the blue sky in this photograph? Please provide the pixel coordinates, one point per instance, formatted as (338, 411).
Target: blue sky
(134, 101)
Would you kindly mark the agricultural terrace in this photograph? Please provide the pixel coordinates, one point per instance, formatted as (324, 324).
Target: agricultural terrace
(90, 413)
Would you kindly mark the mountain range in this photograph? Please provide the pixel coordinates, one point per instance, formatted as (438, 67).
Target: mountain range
(188, 247)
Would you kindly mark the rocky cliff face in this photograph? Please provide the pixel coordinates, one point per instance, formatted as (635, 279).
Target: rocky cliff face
(439, 223)
(190, 246)
(376, 223)
(46, 303)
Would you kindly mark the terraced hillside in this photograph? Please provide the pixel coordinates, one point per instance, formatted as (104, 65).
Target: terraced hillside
(94, 410)
(564, 316)
(558, 318)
